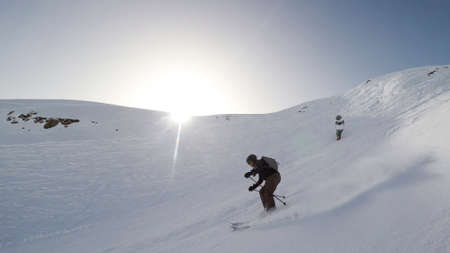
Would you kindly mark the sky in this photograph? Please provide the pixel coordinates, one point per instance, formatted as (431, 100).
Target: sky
(212, 57)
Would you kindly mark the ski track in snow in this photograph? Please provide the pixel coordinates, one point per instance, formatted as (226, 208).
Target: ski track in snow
(88, 187)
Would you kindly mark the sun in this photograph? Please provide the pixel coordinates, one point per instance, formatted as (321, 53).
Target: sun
(180, 117)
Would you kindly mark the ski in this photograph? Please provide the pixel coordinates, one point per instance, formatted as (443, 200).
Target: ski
(236, 226)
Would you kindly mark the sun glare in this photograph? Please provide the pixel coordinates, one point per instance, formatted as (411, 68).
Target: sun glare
(180, 118)
(183, 87)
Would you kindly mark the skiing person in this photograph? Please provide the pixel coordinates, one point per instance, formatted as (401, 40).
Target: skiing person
(339, 127)
(268, 173)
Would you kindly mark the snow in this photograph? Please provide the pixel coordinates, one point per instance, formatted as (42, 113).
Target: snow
(90, 188)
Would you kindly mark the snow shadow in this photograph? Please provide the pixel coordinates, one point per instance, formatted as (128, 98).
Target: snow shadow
(414, 175)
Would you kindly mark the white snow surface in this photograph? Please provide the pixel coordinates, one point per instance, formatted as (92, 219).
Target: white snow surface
(89, 188)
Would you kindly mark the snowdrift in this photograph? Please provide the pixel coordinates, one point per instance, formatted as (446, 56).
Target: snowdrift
(119, 181)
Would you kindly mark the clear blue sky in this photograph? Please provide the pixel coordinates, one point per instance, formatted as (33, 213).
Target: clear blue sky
(209, 57)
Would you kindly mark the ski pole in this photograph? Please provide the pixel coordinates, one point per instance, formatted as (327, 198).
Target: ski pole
(274, 195)
(280, 196)
(284, 203)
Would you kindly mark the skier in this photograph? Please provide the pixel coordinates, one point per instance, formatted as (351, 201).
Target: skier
(268, 173)
(339, 127)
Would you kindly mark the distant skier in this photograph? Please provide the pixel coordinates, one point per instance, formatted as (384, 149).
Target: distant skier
(339, 127)
(266, 168)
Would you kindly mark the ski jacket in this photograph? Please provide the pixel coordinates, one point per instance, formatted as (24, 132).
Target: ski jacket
(263, 170)
(340, 124)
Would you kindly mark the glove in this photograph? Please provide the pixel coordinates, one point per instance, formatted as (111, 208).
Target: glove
(251, 188)
(248, 174)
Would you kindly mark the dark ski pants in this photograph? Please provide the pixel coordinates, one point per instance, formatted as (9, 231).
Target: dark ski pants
(266, 192)
(339, 133)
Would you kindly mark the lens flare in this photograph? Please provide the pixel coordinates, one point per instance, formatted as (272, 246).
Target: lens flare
(175, 152)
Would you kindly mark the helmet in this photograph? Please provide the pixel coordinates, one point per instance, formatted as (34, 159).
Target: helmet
(339, 117)
(252, 158)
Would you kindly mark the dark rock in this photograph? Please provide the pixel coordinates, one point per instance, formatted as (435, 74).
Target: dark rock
(303, 108)
(67, 122)
(51, 123)
(432, 72)
(25, 117)
(39, 119)
(11, 112)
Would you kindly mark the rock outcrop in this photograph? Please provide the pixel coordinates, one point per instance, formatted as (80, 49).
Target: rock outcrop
(48, 122)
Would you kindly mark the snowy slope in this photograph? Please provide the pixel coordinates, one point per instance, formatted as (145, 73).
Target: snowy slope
(92, 188)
